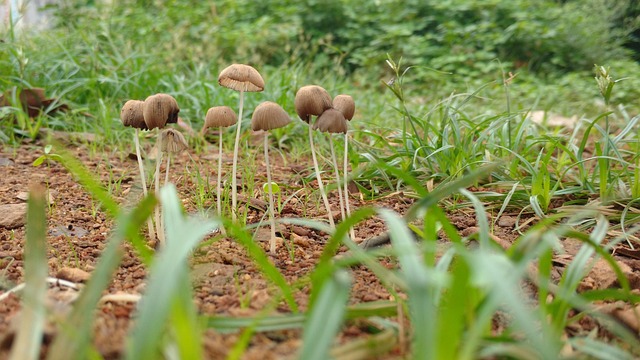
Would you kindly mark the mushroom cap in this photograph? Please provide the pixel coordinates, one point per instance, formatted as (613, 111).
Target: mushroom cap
(131, 114)
(219, 116)
(241, 77)
(159, 110)
(269, 115)
(311, 100)
(331, 121)
(172, 141)
(345, 104)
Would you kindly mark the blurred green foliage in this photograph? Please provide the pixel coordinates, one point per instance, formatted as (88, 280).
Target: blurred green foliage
(460, 36)
(99, 53)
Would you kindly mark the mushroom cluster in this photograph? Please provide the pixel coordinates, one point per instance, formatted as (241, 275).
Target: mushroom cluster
(155, 112)
(331, 117)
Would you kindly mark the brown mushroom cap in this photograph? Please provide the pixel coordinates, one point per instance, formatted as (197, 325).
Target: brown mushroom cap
(269, 115)
(219, 116)
(172, 141)
(175, 109)
(131, 114)
(311, 100)
(159, 110)
(346, 105)
(241, 77)
(331, 121)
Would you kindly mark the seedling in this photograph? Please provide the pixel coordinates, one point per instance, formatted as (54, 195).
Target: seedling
(268, 116)
(239, 77)
(46, 156)
(313, 100)
(275, 190)
(219, 116)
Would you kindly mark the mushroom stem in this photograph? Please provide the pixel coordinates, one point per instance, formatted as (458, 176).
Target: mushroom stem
(157, 191)
(219, 186)
(320, 186)
(166, 173)
(352, 233)
(166, 181)
(335, 168)
(272, 221)
(143, 180)
(234, 181)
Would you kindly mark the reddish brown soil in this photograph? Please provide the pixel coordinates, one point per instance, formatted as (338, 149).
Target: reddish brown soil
(226, 281)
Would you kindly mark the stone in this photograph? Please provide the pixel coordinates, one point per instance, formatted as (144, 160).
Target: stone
(73, 274)
(13, 215)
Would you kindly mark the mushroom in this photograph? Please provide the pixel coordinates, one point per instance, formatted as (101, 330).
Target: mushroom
(171, 142)
(159, 110)
(219, 116)
(311, 100)
(267, 116)
(332, 121)
(131, 115)
(346, 105)
(239, 77)
(314, 100)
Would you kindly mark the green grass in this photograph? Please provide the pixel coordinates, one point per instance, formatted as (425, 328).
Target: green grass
(463, 142)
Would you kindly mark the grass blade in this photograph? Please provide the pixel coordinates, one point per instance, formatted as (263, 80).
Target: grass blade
(29, 334)
(165, 275)
(184, 321)
(417, 277)
(293, 321)
(326, 317)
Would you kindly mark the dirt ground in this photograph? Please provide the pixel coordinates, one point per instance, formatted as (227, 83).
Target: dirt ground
(225, 280)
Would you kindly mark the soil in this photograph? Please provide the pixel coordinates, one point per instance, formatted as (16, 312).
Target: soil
(224, 278)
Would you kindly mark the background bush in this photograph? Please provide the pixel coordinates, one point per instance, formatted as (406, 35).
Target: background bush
(134, 45)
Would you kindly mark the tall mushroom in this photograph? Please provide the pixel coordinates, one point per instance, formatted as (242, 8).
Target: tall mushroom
(332, 121)
(159, 110)
(239, 77)
(346, 105)
(131, 115)
(313, 100)
(219, 116)
(267, 116)
(171, 142)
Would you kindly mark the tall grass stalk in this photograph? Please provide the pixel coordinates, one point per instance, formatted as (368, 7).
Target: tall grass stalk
(30, 331)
